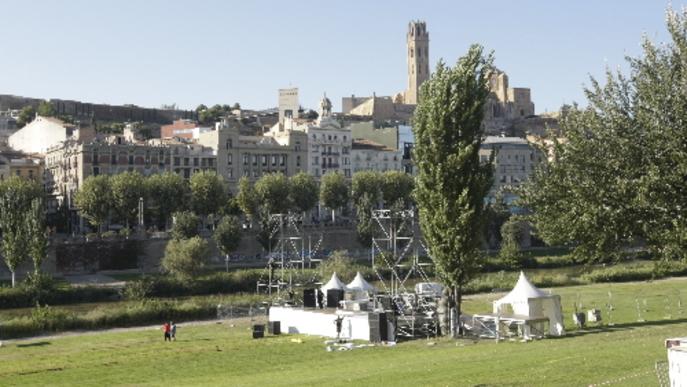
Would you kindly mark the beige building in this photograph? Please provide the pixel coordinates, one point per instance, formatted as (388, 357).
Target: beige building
(45, 132)
(368, 155)
(417, 41)
(506, 106)
(288, 103)
(238, 155)
(68, 164)
(515, 160)
(16, 165)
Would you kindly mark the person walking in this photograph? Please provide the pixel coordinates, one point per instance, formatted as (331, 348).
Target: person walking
(174, 331)
(167, 328)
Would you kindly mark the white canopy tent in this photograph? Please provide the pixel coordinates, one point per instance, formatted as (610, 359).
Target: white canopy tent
(360, 289)
(528, 303)
(359, 283)
(334, 283)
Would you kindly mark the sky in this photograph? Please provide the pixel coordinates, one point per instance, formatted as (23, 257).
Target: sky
(156, 52)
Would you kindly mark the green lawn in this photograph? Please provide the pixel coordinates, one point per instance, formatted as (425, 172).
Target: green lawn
(219, 354)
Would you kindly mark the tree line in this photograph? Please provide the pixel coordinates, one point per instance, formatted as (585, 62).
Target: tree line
(618, 180)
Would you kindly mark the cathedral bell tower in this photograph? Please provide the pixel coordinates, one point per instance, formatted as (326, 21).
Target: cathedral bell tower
(417, 40)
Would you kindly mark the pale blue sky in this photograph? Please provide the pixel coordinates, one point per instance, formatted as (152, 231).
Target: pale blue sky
(190, 52)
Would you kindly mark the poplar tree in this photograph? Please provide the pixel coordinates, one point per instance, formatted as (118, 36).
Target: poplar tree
(452, 183)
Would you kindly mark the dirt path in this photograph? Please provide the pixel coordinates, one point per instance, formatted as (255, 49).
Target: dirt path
(237, 320)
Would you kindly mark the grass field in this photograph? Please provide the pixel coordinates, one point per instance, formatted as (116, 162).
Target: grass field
(221, 354)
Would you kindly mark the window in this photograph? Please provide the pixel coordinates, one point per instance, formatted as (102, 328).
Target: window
(95, 158)
(211, 162)
(298, 161)
(245, 173)
(347, 172)
(282, 160)
(228, 144)
(255, 159)
(230, 173)
(131, 159)
(96, 171)
(195, 161)
(187, 173)
(31, 172)
(256, 173)
(177, 161)
(245, 159)
(274, 160)
(229, 159)
(344, 138)
(187, 161)
(264, 160)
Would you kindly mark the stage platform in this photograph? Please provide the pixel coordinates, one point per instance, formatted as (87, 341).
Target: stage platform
(356, 325)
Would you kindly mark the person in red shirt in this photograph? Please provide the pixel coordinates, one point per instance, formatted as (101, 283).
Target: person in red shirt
(167, 328)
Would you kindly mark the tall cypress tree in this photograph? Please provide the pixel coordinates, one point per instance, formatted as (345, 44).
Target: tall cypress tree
(452, 182)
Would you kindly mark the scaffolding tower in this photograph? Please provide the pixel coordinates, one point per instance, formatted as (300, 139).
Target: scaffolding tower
(293, 250)
(398, 249)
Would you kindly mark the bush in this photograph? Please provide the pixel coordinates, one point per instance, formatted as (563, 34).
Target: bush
(27, 295)
(185, 258)
(344, 266)
(186, 225)
(109, 234)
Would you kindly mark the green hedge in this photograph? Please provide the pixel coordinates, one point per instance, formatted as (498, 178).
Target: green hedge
(47, 319)
(26, 296)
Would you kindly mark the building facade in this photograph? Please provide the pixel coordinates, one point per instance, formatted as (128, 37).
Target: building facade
(515, 159)
(239, 155)
(183, 128)
(367, 155)
(68, 164)
(46, 132)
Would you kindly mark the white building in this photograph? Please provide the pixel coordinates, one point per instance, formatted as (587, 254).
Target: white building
(288, 103)
(329, 144)
(46, 132)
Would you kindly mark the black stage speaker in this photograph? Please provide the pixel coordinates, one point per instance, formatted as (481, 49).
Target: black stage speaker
(375, 332)
(333, 297)
(258, 331)
(309, 298)
(274, 327)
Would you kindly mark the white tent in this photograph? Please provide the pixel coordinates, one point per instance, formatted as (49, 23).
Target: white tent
(527, 302)
(334, 283)
(360, 284)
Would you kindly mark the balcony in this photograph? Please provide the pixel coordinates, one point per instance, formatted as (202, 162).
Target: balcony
(330, 165)
(330, 153)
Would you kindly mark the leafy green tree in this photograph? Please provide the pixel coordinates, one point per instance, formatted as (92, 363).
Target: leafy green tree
(45, 109)
(227, 236)
(35, 229)
(272, 190)
(618, 179)
(94, 200)
(127, 190)
(26, 115)
(185, 226)
(185, 258)
(247, 198)
(510, 253)
(303, 192)
(208, 193)
(496, 213)
(397, 187)
(452, 182)
(364, 226)
(16, 197)
(167, 193)
(369, 184)
(334, 192)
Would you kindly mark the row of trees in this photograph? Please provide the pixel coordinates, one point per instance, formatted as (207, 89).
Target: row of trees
(22, 223)
(619, 179)
(116, 198)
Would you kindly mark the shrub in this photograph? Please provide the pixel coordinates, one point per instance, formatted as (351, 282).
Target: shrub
(109, 234)
(185, 258)
(186, 225)
(345, 267)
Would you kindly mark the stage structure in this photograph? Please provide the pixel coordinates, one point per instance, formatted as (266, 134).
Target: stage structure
(397, 248)
(293, 250)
